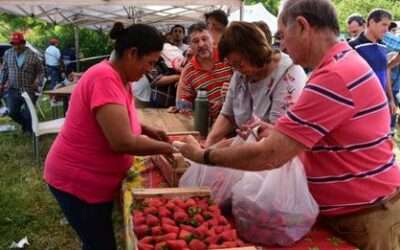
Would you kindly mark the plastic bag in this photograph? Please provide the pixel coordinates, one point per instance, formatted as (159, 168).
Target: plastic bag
(220, 180)
(275, 206)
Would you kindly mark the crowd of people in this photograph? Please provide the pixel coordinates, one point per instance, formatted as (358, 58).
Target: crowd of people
(337, 118)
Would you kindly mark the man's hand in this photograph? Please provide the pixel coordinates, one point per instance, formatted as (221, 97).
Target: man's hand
(190, 148)
(392, 107)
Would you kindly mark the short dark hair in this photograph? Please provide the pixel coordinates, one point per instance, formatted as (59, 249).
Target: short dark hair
(319, 13)
(257, 50)
(218, 15)
(143, 37)
(392, 25)
(197, 27)
(178, 26)
(356, 18)
(378, 14)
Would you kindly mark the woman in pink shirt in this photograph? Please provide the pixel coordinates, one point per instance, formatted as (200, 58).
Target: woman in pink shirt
(93, 151)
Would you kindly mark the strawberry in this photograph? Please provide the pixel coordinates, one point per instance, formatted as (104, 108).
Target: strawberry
(170, 205)
(229, 244)
(198, 218)
(138, 219)
(180, 216)
(214, 209)
(144, 246)
(156, 231)
(164, 212)
(141, 231)
(154, 202)
(187, 228)
(185, 235)
(201, 231)
(222, 220)
(161, 246)
(196, 244)
(168, 236)
(176, 244)
(150, 210)
(152, 220)
(190, 202)
(179, 202)
(213, 239)
(147, 240)
(167, 221)
(229, 235)
(169, 228)
(207, 215)
(215, 246)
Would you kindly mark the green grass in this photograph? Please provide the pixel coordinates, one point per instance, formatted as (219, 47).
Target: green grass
(27, 208)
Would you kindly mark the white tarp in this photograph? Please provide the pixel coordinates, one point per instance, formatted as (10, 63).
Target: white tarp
(103, 13)
(257, 12)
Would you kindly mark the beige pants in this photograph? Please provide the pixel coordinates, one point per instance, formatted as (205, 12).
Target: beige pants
(375, 228)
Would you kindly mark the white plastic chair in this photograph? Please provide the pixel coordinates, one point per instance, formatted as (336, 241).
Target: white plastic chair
(40, 128)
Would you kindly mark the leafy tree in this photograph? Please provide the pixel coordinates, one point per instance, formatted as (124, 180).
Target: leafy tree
(271, 5)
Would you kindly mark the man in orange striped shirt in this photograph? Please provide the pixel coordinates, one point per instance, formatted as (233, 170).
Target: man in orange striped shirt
(204, 71)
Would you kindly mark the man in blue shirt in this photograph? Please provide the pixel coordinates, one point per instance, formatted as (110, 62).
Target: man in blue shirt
(368, 44)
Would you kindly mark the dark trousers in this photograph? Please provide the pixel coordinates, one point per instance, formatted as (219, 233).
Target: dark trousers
(54, 74)
(92, 222)
(18, 110)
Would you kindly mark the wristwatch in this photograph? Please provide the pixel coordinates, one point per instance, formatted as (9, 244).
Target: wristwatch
(206, 157)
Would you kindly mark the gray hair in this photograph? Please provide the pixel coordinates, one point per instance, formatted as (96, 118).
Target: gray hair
(319, 13)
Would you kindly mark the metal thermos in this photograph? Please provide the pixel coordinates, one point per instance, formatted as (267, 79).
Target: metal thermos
(201, 112)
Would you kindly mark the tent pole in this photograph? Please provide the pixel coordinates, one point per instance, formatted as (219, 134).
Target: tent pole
(241, 13)
(77, 54)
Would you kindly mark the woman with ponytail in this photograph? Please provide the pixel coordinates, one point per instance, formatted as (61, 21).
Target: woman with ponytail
(93, 151)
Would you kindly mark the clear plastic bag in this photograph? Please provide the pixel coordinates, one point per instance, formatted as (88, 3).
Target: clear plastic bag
(275, 206)
(220, 180)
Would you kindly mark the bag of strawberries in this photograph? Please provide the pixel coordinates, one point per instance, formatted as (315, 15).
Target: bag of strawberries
(220, 180)
(274, 207)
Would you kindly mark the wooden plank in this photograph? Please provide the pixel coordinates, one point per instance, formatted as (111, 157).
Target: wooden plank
(169, 122)
(149, 192)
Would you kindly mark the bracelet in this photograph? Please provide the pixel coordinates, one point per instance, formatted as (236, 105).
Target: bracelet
(206, 157)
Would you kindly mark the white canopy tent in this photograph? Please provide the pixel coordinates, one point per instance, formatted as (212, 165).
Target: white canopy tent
(253, 13)
(102, 14)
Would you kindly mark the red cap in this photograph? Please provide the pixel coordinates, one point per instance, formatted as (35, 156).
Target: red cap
(54, 41)
(17, 38)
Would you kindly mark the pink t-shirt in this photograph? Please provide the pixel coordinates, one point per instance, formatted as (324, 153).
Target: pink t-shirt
(80, 161)
(343, 118)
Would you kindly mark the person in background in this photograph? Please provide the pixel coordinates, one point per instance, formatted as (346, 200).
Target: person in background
(22, 71)
(93, 151)
(52, 57)
(394, 77)
(370, 47)
(69, 60)
(178, 33)
(339, 127)
(204, 71)
(355, 25)
(216, 21)
(265, 82)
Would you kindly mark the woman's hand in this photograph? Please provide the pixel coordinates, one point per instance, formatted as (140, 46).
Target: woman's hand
(156, 134)
(190, 149)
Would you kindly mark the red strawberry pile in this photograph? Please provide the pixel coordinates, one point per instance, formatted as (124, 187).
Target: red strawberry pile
(176, 224)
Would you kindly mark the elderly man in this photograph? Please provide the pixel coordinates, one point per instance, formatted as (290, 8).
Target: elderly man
(22, 71)
(340, 126)
(204, 71)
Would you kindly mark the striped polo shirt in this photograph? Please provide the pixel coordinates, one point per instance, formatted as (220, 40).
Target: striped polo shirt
(374, 54)
(194, 78)
(342, 118)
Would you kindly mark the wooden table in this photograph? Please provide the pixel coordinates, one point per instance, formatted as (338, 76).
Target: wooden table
(63, 92)
(169, 122)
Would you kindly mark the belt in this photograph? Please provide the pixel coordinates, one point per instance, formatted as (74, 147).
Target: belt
(382, 204)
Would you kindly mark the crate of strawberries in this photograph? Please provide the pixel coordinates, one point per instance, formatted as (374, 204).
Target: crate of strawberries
(178, 219)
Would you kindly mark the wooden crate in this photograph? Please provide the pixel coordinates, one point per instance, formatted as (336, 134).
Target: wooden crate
(132, 195)
(171, 168)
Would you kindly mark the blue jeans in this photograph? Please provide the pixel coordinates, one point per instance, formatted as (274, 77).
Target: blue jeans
(18, 110)
(54, 73)
(92, 222)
